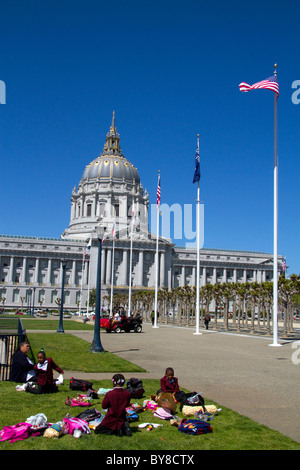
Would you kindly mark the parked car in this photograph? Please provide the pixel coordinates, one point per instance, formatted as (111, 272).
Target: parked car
(126, 324)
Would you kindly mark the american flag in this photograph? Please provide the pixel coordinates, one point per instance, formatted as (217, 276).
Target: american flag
(158, 191)
(197, 166)
(270, 83)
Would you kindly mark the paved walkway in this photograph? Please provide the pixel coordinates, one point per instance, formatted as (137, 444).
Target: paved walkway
(241, 372)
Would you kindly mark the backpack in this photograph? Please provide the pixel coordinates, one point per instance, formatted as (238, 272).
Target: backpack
(78, 384)
(76, 423)
(135, 387)
(89, 415)
(190, 399)
(194, 427)
(131, 414)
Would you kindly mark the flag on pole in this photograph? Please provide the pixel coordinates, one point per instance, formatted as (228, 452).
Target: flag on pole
(158, 191)
(270, 83)
(284, 266)
(87, 249)
(113, 230)
(197, 166)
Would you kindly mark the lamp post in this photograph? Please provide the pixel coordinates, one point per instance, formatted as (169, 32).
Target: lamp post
(60, 326)
(96, 345)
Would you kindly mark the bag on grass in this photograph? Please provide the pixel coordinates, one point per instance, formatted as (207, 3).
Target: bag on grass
(189, 399)
(78, 384)
(131, 414)
(135, 387)
(17, 432)
(76, 423)
(163, 413)
(194, 427)
(166, 400)
(76, 402)
(89, 415)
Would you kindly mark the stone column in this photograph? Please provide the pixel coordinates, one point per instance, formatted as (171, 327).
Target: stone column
(36, 271)
(124, 268)
(141, 268)
(162, 269)
(11, 268)
(23, 279)
(108, 266)
(204, 276)
(182, 280)
(73, 275)
(49, 271)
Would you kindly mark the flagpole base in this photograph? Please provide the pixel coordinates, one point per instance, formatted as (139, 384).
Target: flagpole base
(155, 326)
(197, 333)
(275, 345)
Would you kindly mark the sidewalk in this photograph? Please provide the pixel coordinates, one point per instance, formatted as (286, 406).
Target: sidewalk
(241, 372)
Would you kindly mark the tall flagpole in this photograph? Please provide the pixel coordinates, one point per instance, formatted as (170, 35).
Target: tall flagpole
(271, 83)
(130, 261)
(198, 254)
(156, 255)
(275, 242)
(81, 283)
(88, 296)
(112, 278)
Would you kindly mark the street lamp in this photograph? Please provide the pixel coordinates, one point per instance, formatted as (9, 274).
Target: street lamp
(60, 326)
(96, 345)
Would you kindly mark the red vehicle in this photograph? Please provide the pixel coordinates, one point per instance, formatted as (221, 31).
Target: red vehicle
(126, 324)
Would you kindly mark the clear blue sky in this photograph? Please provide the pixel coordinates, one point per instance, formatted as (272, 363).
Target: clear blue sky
(170, 69)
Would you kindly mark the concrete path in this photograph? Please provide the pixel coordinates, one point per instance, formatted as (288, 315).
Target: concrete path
(241, 372)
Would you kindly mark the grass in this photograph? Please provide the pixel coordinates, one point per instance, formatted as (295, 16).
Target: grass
(72, 353)
(39, 324)
(231, 431)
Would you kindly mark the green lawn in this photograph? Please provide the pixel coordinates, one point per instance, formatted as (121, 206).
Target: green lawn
(230, 430)
(45, 324)
(72, 353)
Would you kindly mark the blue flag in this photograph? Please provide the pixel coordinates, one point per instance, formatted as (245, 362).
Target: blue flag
(197, 167)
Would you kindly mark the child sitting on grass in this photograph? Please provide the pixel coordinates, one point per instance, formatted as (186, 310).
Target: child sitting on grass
(116, 402)
(168, 383)
(44, 372)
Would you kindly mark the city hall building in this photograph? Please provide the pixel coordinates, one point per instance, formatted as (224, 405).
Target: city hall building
(110, 194)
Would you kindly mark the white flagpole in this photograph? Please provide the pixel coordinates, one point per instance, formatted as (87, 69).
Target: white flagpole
(198, 254)
(81, 284)
(130, 261)
(275, 242)
(112, 276)
(156, 262)
(88, 296)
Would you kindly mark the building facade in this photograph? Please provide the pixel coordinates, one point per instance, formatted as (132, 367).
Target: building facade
(110, 195)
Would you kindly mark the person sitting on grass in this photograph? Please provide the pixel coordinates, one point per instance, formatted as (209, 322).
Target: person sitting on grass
(116, 402)
(22, 369)
(169, 383)
(44, 372)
